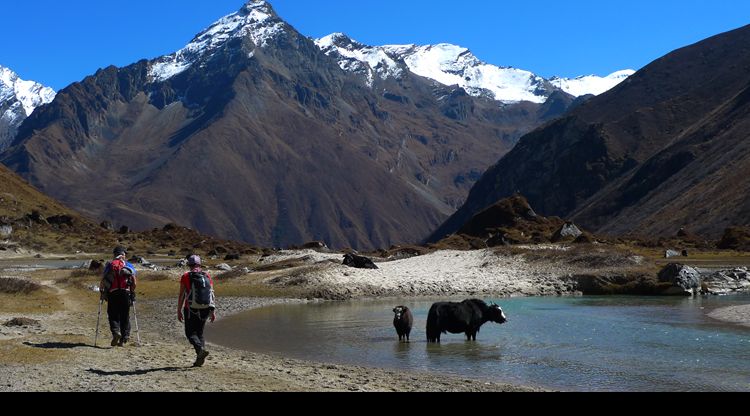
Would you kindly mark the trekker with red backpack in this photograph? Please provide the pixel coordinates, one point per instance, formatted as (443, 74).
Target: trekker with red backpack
(118, 289)
(195, 306)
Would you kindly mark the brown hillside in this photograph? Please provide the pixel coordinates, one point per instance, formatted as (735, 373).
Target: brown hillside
(666, 149)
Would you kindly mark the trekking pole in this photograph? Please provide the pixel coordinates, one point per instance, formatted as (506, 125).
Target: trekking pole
(98, 317)
(137, 332)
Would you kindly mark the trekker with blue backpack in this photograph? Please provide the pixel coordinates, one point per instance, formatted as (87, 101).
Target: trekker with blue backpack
(195, 306)
(118, 289)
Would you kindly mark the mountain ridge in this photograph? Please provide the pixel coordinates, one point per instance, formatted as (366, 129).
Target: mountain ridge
(659, 152)
(270, 142)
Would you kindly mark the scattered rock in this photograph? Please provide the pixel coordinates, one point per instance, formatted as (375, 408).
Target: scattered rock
(230, 257)
(727, 281)
(672, 253)
(124, 230)
(497, 240)
(36, 217)
(315, 245)
(61, 220)
(224, 266)
(107, 225)
(6, 231)
(140, 260)
(22, 322)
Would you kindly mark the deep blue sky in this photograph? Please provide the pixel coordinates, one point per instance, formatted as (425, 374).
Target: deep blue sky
(58, 42)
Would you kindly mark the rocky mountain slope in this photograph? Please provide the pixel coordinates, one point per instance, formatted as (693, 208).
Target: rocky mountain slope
(252, 132)
(665, 149)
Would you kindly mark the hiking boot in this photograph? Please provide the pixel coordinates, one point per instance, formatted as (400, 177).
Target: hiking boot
(123, 342)
(116, 339)
(201, 358)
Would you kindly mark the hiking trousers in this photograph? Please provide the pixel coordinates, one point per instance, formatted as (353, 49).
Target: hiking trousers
(195, 322)
(118, 311)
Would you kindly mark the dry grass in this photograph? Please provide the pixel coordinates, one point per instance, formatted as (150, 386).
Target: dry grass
(281, 265)
(41, 301)
(154, 277)
(230, 275)
(14, 352)
(12, 286)
(587, 256)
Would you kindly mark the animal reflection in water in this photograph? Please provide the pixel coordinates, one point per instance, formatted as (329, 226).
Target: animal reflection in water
(466, 317)
(403, 321)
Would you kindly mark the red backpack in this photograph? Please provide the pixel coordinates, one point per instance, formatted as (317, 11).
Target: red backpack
(117, 277)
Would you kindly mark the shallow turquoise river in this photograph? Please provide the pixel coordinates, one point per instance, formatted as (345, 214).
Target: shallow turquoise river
(569, 343)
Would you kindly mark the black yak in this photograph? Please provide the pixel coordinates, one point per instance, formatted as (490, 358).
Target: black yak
(403, 321)
(466, 317)
(358, 262)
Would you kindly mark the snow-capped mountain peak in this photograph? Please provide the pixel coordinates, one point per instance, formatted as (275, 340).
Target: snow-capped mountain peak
(256, 20)
(456, 65)
(29, 93)
(357, 57)
(445, 63)
(18, 99)
(591, 84)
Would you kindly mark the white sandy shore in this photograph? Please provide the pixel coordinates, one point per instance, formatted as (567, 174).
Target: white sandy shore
(449, 273)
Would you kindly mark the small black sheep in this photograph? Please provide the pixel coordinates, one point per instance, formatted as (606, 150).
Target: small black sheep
(403, 321)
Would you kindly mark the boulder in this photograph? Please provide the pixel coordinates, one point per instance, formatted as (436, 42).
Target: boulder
(685, 280)
(36, 217)
(315, 245)
(229, 257)
(225, 267)
(358, 262)
(567, 232)
(107, 226)
(124, 229)
(671, 253)
(96, 265)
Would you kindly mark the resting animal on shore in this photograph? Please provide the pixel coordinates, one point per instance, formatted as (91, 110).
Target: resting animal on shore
(358, 262)
(403, 321)
(465, 317)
